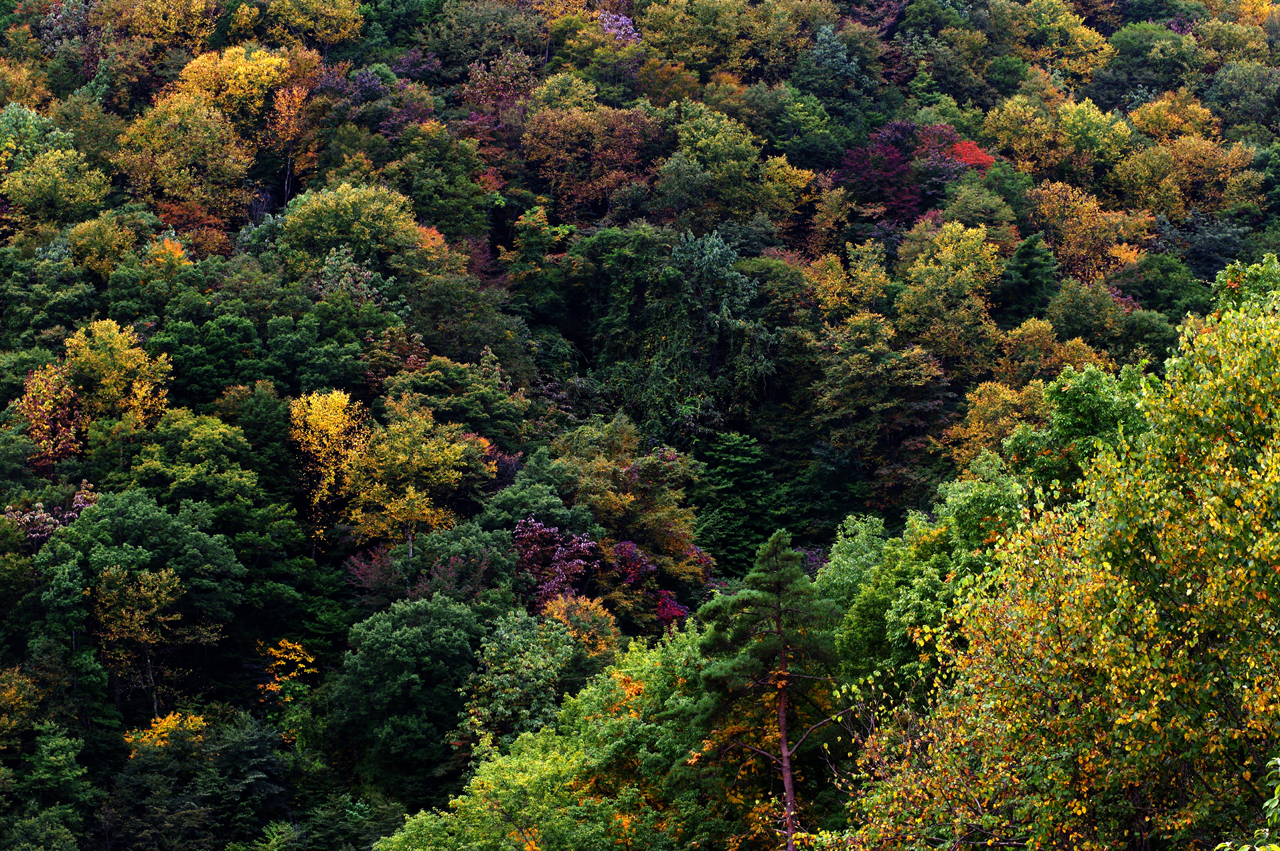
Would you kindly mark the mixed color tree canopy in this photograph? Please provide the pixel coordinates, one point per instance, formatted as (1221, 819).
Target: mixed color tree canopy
(560, 425)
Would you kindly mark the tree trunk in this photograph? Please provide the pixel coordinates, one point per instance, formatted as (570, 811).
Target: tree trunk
(151, 683)
(788, 781)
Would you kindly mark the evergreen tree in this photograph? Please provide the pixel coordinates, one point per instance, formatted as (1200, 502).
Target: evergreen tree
(737, 500)
(1027, 284)
(769, 644)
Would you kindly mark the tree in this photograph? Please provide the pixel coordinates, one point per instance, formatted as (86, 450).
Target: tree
(56, 187)
(555, 563)
(737, 499)
(497, 87)
(1244, 93)
(397, 695)
(408, 474)
(994, 411)
(522, 671)
(1088, 241)
(706, 35)
(701, 353)
(1175, 114)
(1150, 55)
(114, 376)
(522, 799)
(1087, 409)
(25, 134)
(294, 22)
(1163, 282)
(243, 82)
(1119, 640)
(1050, 34)
(616, 772)
(637, 496)
(100, 244)
(1240, 285)
(136, 618)
(717, 172)
(1027, 283)
(1033, 351)
(193, 784)
(57, 793)
(330, 431)
(440, 174)
(51, 407)
(857, 550)
(879, 400)
(156, 565)
(1026, 128)
(376, 223)
(944, 306)
(587, 154)
(478, 397)
(906, 587)
(185, 25)
(1188, 173)
(184, 156)
(769, 643)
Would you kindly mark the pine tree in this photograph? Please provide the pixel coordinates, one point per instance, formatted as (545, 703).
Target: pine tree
(768, 643)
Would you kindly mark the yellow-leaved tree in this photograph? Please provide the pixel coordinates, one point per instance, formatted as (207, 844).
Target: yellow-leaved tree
(1113, 685)
(409, 472)
(114, 376)
(184, 156)
(389, 481)
(244, 83)
(313, 22)
(1088, 241)
(944, 307)
(330, 431)
(182, 24)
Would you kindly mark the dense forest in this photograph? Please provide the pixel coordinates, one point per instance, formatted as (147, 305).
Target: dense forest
(566, 425)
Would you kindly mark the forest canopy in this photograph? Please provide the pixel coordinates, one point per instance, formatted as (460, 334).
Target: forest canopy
(577, 424)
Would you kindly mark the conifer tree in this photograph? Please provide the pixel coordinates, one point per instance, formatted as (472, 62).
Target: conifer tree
(768, 643)
(1027, 283)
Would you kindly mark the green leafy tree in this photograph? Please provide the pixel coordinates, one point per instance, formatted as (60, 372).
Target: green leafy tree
(397, 695)
(737, 500)
(56, 187)
(717, 172)
(438, 173)
(26, 134)
(879, 402)
(1026, 284)
(1163, 282)
(57, 794)
(858, 549)
(615, 773)
(375, 222)
(1088, 409)
(157, 567)
(478, 397)
(522, 671)
(195, 785)
(523, 799)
